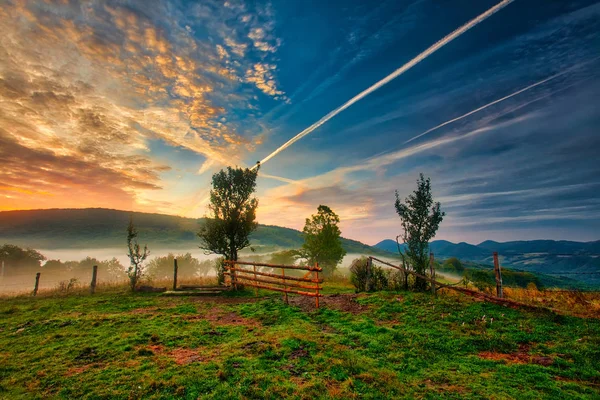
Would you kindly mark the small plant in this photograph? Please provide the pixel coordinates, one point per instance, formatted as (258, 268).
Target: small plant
(136, 255)
(67, 286)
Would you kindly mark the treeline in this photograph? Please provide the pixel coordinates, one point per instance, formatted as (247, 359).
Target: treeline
(19, 262)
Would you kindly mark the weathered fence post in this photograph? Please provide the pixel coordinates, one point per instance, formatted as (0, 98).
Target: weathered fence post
(255, 289)
(93, 283)
(233, 275)
(368, 280)
(175, 268)
(432, 272)
(37, 283)
(498, 272)
(317, 285)
(284, 285)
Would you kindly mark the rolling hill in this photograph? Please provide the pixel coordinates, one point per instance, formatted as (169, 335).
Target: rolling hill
(106, 228)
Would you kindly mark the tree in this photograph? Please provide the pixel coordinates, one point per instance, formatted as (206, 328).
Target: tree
(188, 266)
(421, 218)
(137, 256)
(233, 212)
(284, 257)
(322, 242)
(15, 257)
(454, 263)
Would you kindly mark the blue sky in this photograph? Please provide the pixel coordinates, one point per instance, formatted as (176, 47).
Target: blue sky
(134, 105)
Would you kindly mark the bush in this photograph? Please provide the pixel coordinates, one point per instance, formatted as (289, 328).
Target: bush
(358, 273)
(381, 278)
(395, 279)
(220, 268)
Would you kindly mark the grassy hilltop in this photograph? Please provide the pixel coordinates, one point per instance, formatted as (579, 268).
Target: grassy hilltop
(378, 346)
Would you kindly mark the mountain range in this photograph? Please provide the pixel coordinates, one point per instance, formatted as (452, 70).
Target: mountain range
(577, 260)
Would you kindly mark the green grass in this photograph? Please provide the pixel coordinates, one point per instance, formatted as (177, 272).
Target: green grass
(400, 345)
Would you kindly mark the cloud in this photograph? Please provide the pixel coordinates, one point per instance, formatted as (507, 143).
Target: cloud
(98, 82)
(262, 76)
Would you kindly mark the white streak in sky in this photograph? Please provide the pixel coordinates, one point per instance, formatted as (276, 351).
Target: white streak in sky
(487, 105)
(432, 49)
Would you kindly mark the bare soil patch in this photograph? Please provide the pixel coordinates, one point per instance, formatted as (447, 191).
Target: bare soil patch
(522, 356)
(221, 317)
(144, 310)
(340, 302)
(224, 299)
(180, 355)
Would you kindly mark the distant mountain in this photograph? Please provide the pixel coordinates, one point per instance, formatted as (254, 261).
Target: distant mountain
(441, 247)
(388, 245)
(105, 228)
(577, 260)
(543, 246)
(462, 249)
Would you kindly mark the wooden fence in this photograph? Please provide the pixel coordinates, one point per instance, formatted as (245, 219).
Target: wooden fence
(438, 285)
(310, 283)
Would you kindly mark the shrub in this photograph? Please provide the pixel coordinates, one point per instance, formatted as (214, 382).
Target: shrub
(395, 279)
(358, 274)
(220, 268)
(381, 278)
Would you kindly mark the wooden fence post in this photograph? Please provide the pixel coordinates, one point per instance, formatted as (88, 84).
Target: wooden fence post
(498, 272)
(432, 272)
(368, 280)
(255, 289)
(175, 274)
(233, 275)
(37, 283)
(317, 290)
(93, 283)
(284, 285)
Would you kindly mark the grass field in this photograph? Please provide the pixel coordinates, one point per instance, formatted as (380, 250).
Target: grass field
(384, 345)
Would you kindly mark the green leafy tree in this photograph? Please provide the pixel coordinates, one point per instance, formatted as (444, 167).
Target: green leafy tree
(322, 242)
(16, 258)
(421, 218)
(136, 255)
(233, 212)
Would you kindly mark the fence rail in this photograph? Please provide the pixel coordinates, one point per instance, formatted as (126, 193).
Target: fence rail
(439, 285)
(239, 276)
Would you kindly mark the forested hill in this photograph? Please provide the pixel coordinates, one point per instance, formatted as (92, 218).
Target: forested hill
(105, 228)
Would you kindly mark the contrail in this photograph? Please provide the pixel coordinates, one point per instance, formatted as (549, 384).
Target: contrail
(487, 105)
(432, 49)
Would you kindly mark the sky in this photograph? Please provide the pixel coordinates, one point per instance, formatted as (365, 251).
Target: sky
(133, 105)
